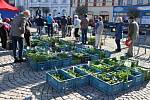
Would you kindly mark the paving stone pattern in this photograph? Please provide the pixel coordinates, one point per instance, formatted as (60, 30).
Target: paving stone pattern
(20, 82)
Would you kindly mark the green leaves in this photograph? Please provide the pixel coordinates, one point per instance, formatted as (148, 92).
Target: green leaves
(73, 72)
(59, 77)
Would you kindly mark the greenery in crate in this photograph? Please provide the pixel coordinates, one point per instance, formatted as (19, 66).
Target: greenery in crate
(78, 55)
(110, 61)
(115, 77)
(73, 72)
(91, 41)
(58, 77)
(41, 56)
(93, 51)
(111, 79)
(35, 42)
(102, 54)
(102, 67)
(49, 40)
(96, 62)
(146, 73)
(62, 55)
(29, 52)
(87, 70)
(123, 75)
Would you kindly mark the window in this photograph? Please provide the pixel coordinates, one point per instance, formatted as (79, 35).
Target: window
(64, 1)
(90, 0)
(129, 2)
(113, 2)
(120, 2)
(139, 1)
(54, 1)
(104, 3)
(34, 1)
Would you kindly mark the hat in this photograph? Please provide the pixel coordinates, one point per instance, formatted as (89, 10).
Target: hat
(75, 16)
(26, 13)
(131, 17)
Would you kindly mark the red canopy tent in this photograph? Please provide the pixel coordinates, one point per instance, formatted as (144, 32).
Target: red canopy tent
(6, 6)
(6, 10)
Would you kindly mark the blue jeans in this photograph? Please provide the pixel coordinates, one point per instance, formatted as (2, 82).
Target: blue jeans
(16, 39)
(84, 35)
(118, 44)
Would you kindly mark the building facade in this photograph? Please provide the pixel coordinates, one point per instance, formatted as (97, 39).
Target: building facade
(124, 7)
(96, 8)
(49, 6)
(106, 8)
(44, 6)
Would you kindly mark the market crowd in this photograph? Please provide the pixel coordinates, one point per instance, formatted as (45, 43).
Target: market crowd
(14, 31)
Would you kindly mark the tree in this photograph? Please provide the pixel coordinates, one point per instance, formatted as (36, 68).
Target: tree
(46, 10)
(21, 8)
(133, 12)
(81, 10)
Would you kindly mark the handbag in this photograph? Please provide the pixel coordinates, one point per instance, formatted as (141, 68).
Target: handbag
(128, 42)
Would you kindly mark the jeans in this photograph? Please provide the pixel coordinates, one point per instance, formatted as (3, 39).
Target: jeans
(118, 44)
(84, 35)
(50, 29)
(39, 29)
(64, 29)
(98, 41)
(19, 40)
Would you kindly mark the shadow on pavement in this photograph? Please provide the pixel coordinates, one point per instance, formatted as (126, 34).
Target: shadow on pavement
(45, 92)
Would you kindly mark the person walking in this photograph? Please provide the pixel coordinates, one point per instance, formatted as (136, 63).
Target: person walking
(50, 25)
(77, 22)
(17, 33)
(40, 24)
(64, 26)
(69, 25)
(133, 34)
(99, 27)
(27, 34)
(84, 28)
(118, 34)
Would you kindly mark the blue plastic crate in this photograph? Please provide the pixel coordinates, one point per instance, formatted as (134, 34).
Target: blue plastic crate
(66, 62)
(88, 67)
(60, 86)
(109, 89)
(74, 62)
(95, 57)
(79, 81)
(138, 78)
(54, 63)
(127, 85)
(38, 66)
(107, 53)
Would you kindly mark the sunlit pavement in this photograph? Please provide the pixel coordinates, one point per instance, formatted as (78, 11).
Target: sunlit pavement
(20, 82)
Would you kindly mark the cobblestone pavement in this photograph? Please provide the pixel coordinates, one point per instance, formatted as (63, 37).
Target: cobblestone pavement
(20, 82)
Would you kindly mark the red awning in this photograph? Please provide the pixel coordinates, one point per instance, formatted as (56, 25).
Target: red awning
(6, 6)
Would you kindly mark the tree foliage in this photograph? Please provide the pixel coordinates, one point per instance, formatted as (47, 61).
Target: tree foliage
(46, 10)
(133, 12)
(81, 10)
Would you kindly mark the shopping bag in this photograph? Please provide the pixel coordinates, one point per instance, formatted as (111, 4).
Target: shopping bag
(128, 42)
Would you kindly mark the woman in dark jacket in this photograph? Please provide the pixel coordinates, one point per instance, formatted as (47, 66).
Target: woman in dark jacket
(4, 30)
(28, 33)
(118, 34)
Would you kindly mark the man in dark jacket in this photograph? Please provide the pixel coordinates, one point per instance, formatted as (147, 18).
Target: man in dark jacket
(84, 28)
(69, 25)
(39, 23)
(17, 32)
(64, 26)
